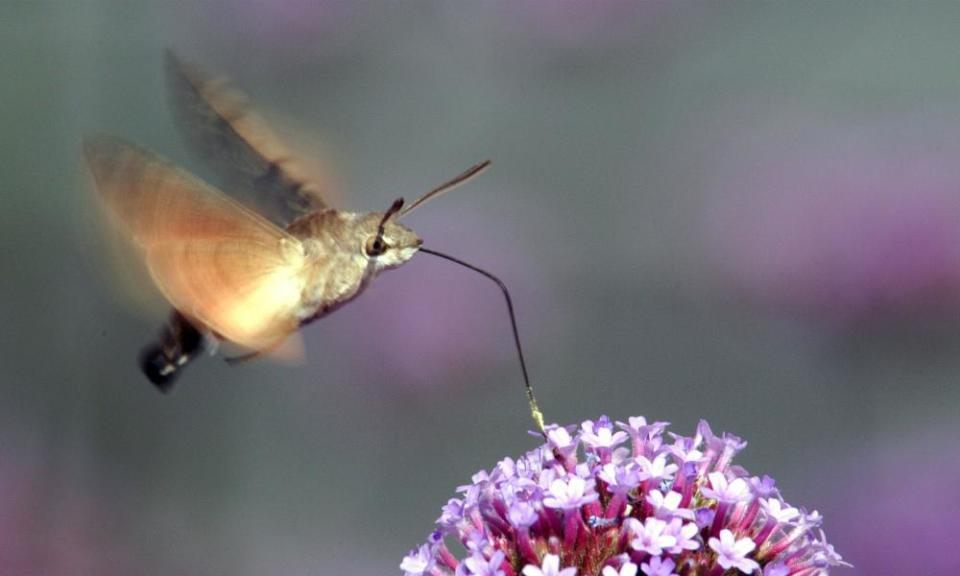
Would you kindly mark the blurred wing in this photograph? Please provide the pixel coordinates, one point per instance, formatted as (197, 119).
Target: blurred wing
(216, 261)
(218, 122)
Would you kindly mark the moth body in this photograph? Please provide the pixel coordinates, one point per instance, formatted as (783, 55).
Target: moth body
(338, 267)
(232, 273)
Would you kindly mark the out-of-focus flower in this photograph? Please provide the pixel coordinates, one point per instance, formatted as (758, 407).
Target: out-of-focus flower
(586, 26)
(49, 527)
(291, 25)
(838, 225)
(550, 514)
(890, 503)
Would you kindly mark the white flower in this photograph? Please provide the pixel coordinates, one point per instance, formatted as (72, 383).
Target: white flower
(723, 491)
(601, 437)
(659, 567)
(418, 561)
(550, 567)
(619, 479)
(570, 494)
(560, 439)
(731, 553)
(779, 510)
(686, 535)
(626, 569)
(657, 469)
(667, 506)
(649, 537)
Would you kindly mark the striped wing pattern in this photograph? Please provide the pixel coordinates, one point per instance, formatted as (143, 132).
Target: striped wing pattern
(218, 122)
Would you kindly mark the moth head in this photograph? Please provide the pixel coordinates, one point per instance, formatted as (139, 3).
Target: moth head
(387, 243)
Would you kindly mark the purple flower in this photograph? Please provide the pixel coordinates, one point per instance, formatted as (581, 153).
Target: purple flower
(561, 510)
(570, 494)
(658, 567)
(667, 505)
(649, 537)
(779, 510)
(826, 555)
(561, 440)
(730, 492)
(521, 514)
(451, 514)
(418, 561)
(645, 437)
(619, 479)
(636, 426)
(684, 453)
(550, 567)
(704, 516)
(600, 435)
(765, 487)
(778, 568)
(732, 552)
(656, 469)
(686, 536)
(626, 569)
(478, 565)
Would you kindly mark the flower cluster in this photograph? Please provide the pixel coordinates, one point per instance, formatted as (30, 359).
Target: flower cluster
(639, 500)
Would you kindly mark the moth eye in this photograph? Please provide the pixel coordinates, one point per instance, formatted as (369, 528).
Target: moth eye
(375, 246)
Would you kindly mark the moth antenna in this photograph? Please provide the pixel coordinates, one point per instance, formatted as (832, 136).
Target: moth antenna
(531, 399)
(381, 228)
(397, 206)
(447, 186)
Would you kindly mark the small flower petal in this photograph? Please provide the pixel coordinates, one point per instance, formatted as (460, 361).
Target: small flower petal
(657, 566)
(550, 567)
(626, 569)
(731, 553)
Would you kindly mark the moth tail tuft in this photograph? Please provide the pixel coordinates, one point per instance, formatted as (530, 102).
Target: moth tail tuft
(163, 360)
(159, 369)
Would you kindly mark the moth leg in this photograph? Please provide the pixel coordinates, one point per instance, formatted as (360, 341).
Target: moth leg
(281, 347)
(211, 343)
(240, 359)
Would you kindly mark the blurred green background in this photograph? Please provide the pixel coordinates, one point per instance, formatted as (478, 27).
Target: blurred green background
(745, 212)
